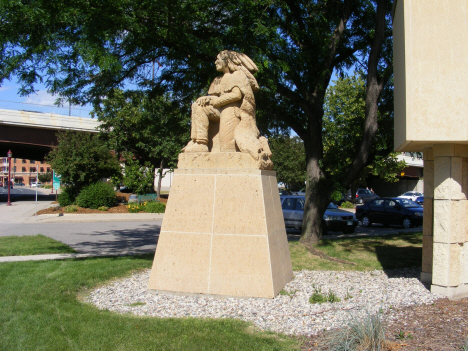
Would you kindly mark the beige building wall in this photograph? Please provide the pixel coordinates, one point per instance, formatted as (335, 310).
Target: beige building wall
(431, 115)
(431, 70)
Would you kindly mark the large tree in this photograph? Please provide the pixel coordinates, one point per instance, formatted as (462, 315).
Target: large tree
(147, 131)
(84, 49)
(81, 159)
(344, 117)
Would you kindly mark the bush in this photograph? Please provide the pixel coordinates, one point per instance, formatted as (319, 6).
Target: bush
(103, 208)
(67, 196)
(71, 208)
(347, 204)
(154, 207)
(135, 208)
(96, 195)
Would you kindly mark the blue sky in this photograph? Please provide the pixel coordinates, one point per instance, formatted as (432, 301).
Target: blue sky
(9, 92)
(40, 101)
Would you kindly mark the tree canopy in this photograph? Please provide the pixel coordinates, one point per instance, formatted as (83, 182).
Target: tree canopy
(288, 158)
(344, 116)
(85, 49)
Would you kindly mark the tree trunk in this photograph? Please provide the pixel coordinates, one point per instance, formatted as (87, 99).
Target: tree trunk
(160, 171)
(318, 191)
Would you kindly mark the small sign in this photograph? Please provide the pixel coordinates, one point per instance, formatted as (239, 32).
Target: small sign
(56, 177)
(56, 180)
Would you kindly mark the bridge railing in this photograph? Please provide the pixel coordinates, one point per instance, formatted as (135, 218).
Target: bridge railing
(39, 108)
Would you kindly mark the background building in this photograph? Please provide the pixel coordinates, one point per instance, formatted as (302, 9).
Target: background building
(23, 171)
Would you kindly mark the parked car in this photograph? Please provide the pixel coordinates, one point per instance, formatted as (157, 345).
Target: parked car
(411, 195)
(299, 192)
(125, 190)
(19, 184)
(5, 185)
(420, 200)
(334, 219)
(36, 184)
(364, 195)
(283, 192)
(388, 211)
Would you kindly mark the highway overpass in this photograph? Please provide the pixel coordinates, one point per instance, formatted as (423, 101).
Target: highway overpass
(31, 135)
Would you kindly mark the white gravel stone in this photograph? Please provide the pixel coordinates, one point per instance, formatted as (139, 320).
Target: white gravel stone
(292, 313)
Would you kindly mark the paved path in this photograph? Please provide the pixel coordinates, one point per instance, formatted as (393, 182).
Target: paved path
(90, 235)
(111, 234)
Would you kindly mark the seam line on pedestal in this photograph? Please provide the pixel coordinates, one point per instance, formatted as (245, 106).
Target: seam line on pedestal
(268, 236)
(212, 231)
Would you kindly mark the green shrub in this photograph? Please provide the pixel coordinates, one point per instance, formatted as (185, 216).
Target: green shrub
(318, 297)
(154, 207)
(347, 204)
(96, 195)
(103, 208)
(47, 186)
(135, 207)
(71, 208)
(67, 196)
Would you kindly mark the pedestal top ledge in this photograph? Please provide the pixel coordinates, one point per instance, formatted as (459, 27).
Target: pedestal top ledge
(230, 160)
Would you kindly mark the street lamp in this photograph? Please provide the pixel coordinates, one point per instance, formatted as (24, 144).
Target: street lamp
(9, 154)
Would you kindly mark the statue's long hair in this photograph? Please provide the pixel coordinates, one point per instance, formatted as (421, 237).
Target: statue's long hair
(237, 61)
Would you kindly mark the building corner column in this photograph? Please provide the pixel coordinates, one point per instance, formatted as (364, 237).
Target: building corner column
(450, 236)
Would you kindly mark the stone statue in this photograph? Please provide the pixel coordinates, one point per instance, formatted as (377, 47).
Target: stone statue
(224, 120)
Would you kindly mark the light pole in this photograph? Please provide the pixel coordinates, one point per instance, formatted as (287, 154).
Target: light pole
(9, 177)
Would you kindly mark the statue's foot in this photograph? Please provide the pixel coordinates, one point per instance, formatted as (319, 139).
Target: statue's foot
(195, 147)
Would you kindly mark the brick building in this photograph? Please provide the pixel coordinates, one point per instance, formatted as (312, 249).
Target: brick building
(22, 170)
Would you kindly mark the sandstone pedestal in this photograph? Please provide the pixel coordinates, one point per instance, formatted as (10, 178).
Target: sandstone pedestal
(223, 231)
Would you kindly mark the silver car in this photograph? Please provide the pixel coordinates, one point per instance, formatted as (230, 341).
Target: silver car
(334, 219)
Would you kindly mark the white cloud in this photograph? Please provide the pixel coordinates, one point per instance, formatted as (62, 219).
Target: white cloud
(42, 97)
(5, 88)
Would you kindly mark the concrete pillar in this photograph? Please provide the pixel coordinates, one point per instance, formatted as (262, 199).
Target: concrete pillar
(428, 219)
(450, 229)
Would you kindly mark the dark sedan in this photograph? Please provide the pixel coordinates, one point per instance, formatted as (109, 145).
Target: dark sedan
(420, 200)
(334, 219)
(388, 211)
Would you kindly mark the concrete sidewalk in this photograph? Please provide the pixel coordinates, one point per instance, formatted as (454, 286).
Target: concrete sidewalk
(113, 234)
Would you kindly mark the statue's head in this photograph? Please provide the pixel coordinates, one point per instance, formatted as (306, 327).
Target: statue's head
(236, 61)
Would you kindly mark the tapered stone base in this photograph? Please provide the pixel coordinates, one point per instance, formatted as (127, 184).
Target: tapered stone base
(223, 234)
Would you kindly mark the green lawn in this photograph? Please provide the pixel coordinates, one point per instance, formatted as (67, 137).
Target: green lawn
(39, 310)
(382, 252)
(31, 245)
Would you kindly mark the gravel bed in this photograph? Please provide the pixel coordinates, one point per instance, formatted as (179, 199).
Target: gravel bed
(290, 312)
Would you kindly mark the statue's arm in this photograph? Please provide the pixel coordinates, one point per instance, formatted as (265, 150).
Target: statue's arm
(233, 96)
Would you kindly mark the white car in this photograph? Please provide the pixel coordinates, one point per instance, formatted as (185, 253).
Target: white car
(36, 184)
(411, 195)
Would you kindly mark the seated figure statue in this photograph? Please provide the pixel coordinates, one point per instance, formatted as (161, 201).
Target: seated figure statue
(224, 120)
